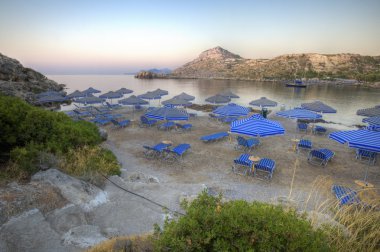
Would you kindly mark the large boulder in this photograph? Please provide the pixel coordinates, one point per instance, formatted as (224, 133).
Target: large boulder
(30, 232)
(70, 216)
(74, 190)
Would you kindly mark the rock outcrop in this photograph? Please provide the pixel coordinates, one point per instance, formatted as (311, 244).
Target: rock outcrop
(150, 75)
(16, 80)
(220, 63)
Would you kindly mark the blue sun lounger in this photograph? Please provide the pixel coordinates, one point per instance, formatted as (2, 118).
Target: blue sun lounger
(177, 152)
(319, 130)
(364, 154)
(184, 127)
(304, 144)
(82, 113)
(345, 195)
(100, 120)
(265, 165)
(302, 127)
(214, 137)
(320, 156)
(242, 162)
(166, 126)
(146, 122)
(155, 151)
(246, 144)
(121, 124)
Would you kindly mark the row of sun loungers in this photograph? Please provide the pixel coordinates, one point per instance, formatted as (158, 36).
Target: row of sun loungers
(303, 127)
(265, 165)
(320, 156)
(145, 122)
(246, 144)
(162, 150)
(366, 155)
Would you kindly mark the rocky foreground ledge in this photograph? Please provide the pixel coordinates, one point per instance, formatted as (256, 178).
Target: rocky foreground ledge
(17, 80)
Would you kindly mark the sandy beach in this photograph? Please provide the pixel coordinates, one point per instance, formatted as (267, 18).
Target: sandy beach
(210, 164)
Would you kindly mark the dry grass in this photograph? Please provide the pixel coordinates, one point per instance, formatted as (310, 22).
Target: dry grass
(362, 223)
(141, 243)
(89, 163)
(356, 228)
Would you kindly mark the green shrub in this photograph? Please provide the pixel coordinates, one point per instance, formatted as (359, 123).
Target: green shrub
(26, 158)
(22, 123)
(211, 225)
(12, 112)
(27, 131)
(90, 163)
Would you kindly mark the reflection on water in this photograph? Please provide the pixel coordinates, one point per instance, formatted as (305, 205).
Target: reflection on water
(345, 99)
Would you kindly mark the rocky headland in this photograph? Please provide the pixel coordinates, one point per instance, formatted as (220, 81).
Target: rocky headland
(17, 80)
(218, 63)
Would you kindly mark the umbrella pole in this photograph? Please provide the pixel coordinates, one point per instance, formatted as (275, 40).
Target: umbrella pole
(366, 173)
(364, 183)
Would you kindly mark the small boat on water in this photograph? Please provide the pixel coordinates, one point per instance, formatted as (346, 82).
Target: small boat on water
(296, 83)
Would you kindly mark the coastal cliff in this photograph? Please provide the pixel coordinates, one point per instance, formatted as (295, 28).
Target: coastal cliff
(218, 63)
(17, 80)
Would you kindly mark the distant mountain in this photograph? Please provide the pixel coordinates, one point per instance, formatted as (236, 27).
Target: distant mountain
(159, 71)
(220, 63)
(17, 80)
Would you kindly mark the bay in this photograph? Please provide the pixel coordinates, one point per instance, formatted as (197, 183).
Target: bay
(346, 99)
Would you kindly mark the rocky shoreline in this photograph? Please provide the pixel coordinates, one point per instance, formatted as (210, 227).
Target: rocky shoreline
(17, 80)
(149, 75)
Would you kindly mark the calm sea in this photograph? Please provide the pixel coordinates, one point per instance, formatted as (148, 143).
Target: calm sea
(345, 99)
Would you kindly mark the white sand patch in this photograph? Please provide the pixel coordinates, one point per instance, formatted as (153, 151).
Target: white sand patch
(100, 198)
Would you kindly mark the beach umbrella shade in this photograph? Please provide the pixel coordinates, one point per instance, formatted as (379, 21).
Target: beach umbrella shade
(374, 120)
(218, 99)
(375, 111)
(177, 102)
(51, 98)
(299, 113)
(133, 100)
(185, 96)
(231, 109)
(124, 91)
(76, 94)
(257, 126)
(318, 106)
(228, 94)
(111, 95)
(167, 113)
(160, 92)
(90, 90)
(263, 102)
(359, 139)
(90, 100)
(149, 96)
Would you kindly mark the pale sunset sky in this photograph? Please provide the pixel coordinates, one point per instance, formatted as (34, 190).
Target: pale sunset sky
(115, 37)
